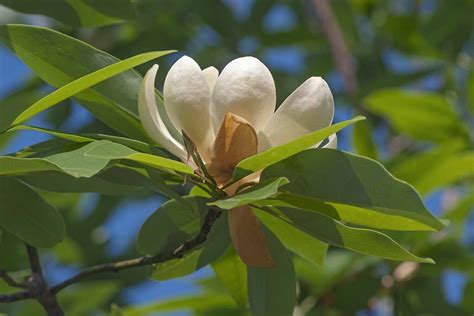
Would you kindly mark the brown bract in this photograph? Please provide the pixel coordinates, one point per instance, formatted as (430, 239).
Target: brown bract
(235, 141)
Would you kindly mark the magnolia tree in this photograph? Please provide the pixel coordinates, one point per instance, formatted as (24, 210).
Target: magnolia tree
(260, 186)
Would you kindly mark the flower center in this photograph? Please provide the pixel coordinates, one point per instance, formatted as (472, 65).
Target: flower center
(235, 141)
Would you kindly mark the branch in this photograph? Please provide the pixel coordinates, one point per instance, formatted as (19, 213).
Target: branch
(15, 297)
(38, 289)
(10, 281)
(38, 286)
(340, 52)
(211, 216)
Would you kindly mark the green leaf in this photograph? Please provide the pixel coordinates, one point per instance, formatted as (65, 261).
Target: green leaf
(363, 141)
(87, 161)
(93, 157)
(462, 209)
(427, 171)
(73, 300)
(263, 190)
(67, 136)
(124, 9)
(85, 82)
(59, 59)
(132, 143)
(214, 247)
(160, 162)
(301, 243)
(351, 188)
(171, 224)
(72, 12)
(470, 90)
(16, 165)
(90, 159)
(61, 182)
(279, 153)
(232, 273)
(452, 170)
(419, 114)
(202, 302)
(272, 291)
(12, 105)
(26, 215)
(104, 149)
(361, 240)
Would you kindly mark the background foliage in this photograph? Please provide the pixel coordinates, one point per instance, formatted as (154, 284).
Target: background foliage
(414, 81)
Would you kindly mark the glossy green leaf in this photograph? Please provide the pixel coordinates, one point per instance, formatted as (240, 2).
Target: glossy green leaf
(444, 165)
(26, 215)
(353, 189)
(67, 136)
(124, 9)
(279, 153)
(73, 300)
(129, 142)
(214, 247)
(160, 162)
(296, 240)
(82, 162)
(104, 150)
(72, 12)
(16, 166)
(61, 182)
(263, 190)
(85, 82)
(59, 59)
(362, 240)
(470, 90)
(272, 291)
(460, 212)
(419, 114)
(448, 172)
(232, 273)
(87, 161)
(362, 139)
(175, 222)
(12, 105)
(202, 302)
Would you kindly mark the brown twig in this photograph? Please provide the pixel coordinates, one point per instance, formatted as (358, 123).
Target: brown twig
(50, 292)
(340, 52)
(38, 286)
(10, 281)
(211, 217)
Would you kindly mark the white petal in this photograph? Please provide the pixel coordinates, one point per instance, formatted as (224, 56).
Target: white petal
(210, 74)
(309, 108)
(246, 88)
(332, 143)
(150, 117)
(187, 101)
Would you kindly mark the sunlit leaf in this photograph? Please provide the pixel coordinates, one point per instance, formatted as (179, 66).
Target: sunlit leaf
(59, 59)
(353, 189)
(232, 272)
(279, 153)
(85, 82)
(263, 190)
(362, 240)
(419, 114)
(296, 240)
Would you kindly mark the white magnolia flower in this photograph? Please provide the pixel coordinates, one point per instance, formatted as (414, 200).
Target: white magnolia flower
(231, 116)
(197, 102)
